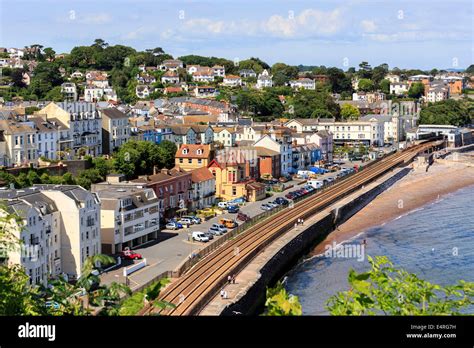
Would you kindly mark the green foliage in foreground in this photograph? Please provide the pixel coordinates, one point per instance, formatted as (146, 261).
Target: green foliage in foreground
(280, 302)
(390, 291)
(133, 304)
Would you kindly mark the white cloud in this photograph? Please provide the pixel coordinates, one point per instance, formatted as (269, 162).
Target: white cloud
(100, 18)
(309, 22)
(368, 26)
(417, 36)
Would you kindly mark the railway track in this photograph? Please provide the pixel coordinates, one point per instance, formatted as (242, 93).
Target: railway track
(200, 284)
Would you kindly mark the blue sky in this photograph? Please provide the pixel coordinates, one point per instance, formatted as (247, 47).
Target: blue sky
(407, 34)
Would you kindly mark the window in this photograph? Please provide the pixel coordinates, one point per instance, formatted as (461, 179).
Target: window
(180, 160)
(199, 161)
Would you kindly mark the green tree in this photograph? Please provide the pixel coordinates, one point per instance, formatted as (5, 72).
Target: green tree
(366, 85)
(452, 112)
(167, 154)
(280, 303)
(349, 112)
(384, 86)
(387, 290)
(416, 90)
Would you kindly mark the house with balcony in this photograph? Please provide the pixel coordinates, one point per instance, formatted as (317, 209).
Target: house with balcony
(59, 228)
(47, 137)
(17, 143)
(83, 122)
(204, 188)
(129, 216)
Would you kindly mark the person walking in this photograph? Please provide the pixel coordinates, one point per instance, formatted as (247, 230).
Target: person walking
(233, 279)
(222, 293)
(229, 279)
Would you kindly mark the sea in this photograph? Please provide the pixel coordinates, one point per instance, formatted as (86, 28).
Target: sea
(435, 241)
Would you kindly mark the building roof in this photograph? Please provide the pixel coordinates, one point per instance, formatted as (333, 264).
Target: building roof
(114, 113)
(264, 152)
(193, 151)
(201, 174)
(12, 127)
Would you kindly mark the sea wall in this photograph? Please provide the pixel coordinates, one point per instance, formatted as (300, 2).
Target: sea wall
(252, 301)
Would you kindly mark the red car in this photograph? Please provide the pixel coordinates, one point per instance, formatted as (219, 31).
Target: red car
(130, 255)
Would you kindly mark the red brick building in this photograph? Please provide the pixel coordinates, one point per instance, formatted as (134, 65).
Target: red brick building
(173, 187)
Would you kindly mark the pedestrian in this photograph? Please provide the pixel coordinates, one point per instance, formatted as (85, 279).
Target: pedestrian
(225, 295)
(229, 279)
(222, 293)
(302, 222)
(233, 279)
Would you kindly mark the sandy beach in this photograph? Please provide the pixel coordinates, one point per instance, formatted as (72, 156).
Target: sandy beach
(413, 191)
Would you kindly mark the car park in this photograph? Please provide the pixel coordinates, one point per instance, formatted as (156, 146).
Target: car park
(200, 237)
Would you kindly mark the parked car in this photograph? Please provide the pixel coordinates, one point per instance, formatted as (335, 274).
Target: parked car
(221, 227)
(228, 223)
(222, 205)
(200, 237)
(194, 219)
(330, 179)
(281, 201)
(215, 231)
(173, 226)
(185, 221)
(316, 183)
(266, 206)
(290, 195)
(233, 209)
(272, 204)
(130, 255)
(242, 217)
(209, 235)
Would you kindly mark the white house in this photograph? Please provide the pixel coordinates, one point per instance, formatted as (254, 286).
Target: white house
(264, 80)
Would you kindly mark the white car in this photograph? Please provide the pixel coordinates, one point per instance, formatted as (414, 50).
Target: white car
(172, 226)
(330, 179)
(185, 221)
(200, 237)
(266, 206)
(222, 205)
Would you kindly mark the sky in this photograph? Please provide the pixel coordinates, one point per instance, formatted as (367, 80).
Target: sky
(420, 34)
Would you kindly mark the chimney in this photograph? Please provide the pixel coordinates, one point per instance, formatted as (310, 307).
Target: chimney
(155, 170)
(165, 171)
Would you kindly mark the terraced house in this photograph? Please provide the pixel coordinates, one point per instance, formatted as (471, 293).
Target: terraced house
(115, 129)
(17, 143)
(84, 123)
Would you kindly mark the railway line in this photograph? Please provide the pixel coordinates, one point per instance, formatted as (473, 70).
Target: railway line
(200, 284)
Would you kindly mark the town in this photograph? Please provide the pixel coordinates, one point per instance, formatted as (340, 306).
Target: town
(151, 158)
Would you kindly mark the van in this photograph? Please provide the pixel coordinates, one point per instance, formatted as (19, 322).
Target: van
(316, 183)
(200, 237)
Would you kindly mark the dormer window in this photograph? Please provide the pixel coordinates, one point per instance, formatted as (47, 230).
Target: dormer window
(185, 151)
(199, 151)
